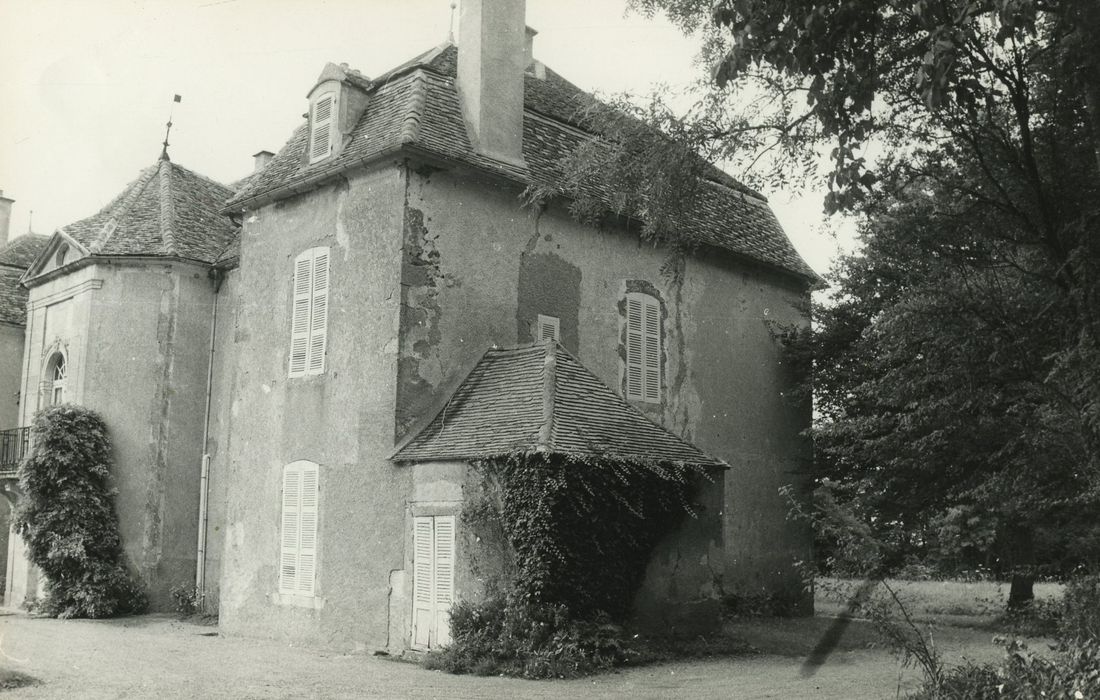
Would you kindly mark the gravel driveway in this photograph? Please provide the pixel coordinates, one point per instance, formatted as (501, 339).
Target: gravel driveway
(157, 656)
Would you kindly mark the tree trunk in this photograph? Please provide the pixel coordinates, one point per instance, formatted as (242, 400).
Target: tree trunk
(1022, 592)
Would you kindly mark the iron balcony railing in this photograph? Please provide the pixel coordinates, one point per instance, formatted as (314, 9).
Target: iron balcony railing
(14, 444)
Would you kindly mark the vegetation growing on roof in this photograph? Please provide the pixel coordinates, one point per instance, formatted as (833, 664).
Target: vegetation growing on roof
(577, 536)
(67, 517)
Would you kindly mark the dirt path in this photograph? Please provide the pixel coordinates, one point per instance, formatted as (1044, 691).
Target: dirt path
(156, 656)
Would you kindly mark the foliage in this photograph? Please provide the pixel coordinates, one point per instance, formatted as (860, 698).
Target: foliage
(1073, 672)
(187, 599)
(507, 635)
(1080, 618)
(580, 533)
(577, 537)
(67, 517)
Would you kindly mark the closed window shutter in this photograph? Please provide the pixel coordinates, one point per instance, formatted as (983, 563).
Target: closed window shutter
(549, 328)
(444, 577)
(652, 359)
(635, 339)
(292, 499)
(423, 553)
(300, 325)
(319, 316)
(307, 531)
(320, 139)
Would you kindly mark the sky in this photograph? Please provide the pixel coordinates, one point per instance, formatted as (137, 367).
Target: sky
(87, 86)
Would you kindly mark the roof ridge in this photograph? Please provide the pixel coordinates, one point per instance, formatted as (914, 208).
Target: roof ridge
(418, 100)
(167, 206)
(123, 208)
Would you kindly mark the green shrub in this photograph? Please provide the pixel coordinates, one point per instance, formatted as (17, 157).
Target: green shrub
(1073, 672)
(505, 636)
(186, 598)
(1081, 608)
(67, 517)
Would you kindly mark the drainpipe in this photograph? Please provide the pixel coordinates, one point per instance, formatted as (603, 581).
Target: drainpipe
(204, 478)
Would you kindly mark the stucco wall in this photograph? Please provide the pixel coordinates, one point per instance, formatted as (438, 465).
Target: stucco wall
(478, 270)
(342, 419)
(136, 340)
(11, 372)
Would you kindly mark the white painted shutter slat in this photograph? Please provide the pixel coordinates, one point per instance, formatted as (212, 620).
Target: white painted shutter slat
(652, 351)
(423, 553)
(634, 349)
(307, 531)
(444, 577)
(288, 564)
(300, 321)
(321, 129)
(319, 316)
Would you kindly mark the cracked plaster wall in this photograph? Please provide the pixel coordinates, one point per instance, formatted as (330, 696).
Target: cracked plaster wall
(478, 269)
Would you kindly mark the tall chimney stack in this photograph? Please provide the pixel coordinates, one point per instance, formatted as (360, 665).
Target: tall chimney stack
(492, 42)
(5, 217)
(259, 160)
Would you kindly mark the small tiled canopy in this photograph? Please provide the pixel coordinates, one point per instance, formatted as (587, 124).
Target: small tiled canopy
(540, 399)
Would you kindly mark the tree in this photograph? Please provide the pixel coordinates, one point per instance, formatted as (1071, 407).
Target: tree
(958, 374)
(67, 517)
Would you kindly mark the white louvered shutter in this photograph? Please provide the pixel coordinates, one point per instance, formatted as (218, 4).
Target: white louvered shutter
(320, 135)
(319, 314)
(423, 555)
(652, 355)
(549, 328)
(300, 325)
(444, 578)
(635, 339)
(307, 531)
(288, 557)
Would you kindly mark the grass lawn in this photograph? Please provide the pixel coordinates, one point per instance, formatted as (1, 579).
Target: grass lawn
(960, 603)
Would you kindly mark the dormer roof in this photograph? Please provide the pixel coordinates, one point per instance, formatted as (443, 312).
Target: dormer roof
(415, 109)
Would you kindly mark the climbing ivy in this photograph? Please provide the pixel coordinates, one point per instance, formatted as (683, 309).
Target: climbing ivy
(67, 517)
(579, 531)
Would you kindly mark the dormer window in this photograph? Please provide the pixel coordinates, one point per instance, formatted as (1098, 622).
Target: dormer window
(59, 259)
(321, 122)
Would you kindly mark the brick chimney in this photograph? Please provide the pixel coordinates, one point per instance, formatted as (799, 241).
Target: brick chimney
(492, 48)
(5, 217)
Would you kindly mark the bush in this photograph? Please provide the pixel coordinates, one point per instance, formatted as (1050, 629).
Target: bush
(505, 636)
(1081, 609)
(1074, 672)
(186, 598)
(67, 517)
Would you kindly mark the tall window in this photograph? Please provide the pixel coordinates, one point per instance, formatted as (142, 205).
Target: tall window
(53, 387)
(321, 122)
(433, 580)
(310, 313)
(643, 348)
(298, 551)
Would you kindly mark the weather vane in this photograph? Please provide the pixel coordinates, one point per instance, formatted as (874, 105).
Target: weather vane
(164, 151)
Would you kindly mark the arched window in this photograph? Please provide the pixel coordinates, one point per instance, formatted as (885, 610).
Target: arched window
(643, 348)
(62, 252)
(54, 382)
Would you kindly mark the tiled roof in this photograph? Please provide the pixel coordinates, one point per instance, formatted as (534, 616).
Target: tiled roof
(13, 297)
(15, 258)
(539, 398)
(22, 251)
(416, 106)
(167, 210)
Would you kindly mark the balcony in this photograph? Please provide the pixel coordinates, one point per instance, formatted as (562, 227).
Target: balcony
(14, 444)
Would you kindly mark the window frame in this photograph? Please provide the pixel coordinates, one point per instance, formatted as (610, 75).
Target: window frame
(309, 306)
(543, 322)
(294, 578)
(315, 126)
(51, 384)
(644, 348)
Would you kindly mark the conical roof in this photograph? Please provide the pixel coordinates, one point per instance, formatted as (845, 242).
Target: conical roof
(168, 210)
